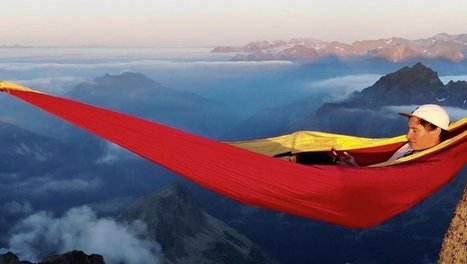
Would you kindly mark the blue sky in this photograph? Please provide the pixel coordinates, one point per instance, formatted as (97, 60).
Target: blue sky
(213, 22)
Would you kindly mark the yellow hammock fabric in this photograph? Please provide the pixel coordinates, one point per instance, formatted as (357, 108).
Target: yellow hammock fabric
(350, 196)
(314, 141)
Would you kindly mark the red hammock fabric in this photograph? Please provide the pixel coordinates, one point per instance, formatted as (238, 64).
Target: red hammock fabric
(357, 197)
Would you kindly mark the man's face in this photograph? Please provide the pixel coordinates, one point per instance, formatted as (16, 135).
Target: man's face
(419, 138)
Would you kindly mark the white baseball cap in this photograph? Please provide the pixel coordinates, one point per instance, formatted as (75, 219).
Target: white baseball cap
(432, 113)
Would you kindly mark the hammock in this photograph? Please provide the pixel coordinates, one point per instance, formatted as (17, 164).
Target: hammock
(358, 197)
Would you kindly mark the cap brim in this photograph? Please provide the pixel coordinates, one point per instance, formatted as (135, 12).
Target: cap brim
(406, 114)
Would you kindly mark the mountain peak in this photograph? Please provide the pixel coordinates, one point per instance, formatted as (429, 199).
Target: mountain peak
(173, 190)
(75, 256)
(128, 85)
(409, 85)
(442, 36)
(173, 202)
(187, 234)
(418, 74)
(125, 78)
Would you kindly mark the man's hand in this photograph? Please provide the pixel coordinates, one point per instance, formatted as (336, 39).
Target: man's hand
(344, 158)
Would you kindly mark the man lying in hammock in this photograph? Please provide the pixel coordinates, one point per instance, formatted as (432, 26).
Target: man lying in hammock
(427, 127)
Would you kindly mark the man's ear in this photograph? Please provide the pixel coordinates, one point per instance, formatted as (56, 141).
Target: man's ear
(436, 131)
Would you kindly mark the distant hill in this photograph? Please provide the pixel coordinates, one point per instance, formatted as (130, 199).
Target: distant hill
(364, 112)
(26, 151)
(136, 94)
(278, 120)
(440, 46)
(187, 234)
(410, 85)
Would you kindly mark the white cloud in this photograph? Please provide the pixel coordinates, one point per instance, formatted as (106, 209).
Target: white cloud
(446, 79)
(455, 113)
(351, 82)
(344, 85)
(73, 185)
(401, 108)
(114, 153)
(80, 228)
(18, 67)
(47, 185)
(164, 64)
(14, 207)
(51, 84)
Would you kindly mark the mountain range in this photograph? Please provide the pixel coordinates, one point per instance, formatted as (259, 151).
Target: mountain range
(440, 46)
(196, 228)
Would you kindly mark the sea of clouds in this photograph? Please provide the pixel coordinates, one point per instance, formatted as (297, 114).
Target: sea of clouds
(43, 233)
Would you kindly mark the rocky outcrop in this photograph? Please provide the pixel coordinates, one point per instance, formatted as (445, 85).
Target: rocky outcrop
(72, 257)
(187, 234)
(409, 85)
(454, 248)
(10, 258)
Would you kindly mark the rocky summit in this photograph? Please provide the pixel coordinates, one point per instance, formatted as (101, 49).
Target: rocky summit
(410, 85)
(72, 257)
(187, 234)
(10, 258)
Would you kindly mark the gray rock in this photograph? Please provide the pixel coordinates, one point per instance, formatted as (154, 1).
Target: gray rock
(74, 257)
(10, 258)
(187, 234)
